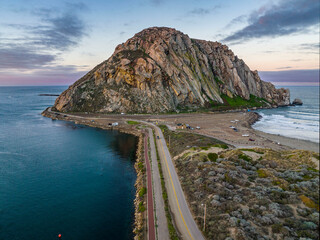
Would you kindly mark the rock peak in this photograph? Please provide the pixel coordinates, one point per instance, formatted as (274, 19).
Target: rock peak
(157, 30)
(161, 69)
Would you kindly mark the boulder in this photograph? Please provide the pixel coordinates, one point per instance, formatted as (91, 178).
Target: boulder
(297, 101)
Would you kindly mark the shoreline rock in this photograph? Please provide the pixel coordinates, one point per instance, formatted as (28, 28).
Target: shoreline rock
(297, 101)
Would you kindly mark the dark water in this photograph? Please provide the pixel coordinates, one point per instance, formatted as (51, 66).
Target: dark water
(297, 121)
(58, 177)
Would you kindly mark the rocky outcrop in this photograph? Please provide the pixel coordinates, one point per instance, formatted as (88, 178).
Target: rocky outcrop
(163, 70)
(297, 101)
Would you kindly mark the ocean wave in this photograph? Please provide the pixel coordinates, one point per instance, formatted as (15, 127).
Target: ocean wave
(290, 127)
(304, 117)
(304, 113)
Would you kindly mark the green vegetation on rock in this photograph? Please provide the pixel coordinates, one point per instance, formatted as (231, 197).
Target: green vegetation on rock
(238, 101)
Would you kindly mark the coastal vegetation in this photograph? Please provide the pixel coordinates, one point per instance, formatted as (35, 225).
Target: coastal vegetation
(177, 143)
(133, 122)
(238, 101)
(252, 193)
(140, 199)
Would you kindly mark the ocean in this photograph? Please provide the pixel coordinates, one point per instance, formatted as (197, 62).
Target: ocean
(57, 177)
(300, 122)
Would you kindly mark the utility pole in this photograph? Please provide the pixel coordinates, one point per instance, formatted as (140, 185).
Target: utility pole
(169, 141)
(204, 218)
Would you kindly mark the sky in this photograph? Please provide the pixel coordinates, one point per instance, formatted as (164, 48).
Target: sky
(56, 42)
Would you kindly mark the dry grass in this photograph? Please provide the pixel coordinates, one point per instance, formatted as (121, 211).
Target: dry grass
(308, 202)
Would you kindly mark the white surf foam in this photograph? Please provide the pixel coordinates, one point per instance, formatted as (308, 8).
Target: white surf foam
(306, 129)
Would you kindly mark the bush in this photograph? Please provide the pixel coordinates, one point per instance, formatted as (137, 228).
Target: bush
(308, 202)
(213, 157)
(245, 157)
(276, 228)
(262, 173)
(141, 207)
(224, 146)
(142, 192)
(140, 165)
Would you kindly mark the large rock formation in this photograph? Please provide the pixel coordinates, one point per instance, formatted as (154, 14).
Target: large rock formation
(161, 70)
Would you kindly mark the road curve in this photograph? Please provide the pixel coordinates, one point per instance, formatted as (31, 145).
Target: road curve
(184, 220)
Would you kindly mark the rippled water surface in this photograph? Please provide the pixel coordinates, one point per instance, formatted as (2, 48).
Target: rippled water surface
(58, 177)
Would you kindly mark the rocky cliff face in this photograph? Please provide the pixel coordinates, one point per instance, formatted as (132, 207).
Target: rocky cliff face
(163, 70)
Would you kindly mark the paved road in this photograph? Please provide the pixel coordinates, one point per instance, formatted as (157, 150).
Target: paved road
(151, 229)
(162, 231)
(178, 204)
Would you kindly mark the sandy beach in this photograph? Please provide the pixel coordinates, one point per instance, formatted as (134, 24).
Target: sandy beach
(217, 125)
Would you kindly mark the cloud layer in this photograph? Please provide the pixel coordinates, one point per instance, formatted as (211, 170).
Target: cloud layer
(291, 76)
(40, 45)
(288, 17)
(22, 58)
(61, 32)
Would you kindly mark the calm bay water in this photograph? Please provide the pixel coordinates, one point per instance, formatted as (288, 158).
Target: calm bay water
(300, 122)
(58, 177)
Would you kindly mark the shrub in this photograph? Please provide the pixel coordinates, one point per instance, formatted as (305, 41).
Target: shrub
(140, 165)
(229, 179)
(245, 157)
(276, 228)
(142, 191)
(262, 173)
(141, 207)
(224, 146)
(213, 157)
(308, 202)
